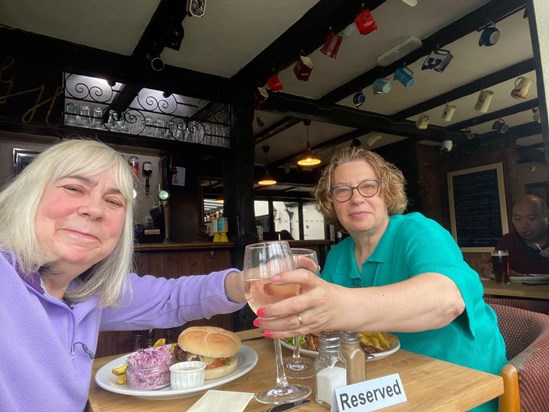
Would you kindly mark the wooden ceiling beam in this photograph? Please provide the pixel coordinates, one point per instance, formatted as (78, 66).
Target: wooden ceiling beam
(302, 38)
(492, 11)
(484, 82)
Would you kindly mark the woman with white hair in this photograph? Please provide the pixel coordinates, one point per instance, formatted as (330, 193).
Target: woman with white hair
(66, 251)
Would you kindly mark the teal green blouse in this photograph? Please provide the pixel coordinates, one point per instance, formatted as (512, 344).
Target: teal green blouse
(411, 245)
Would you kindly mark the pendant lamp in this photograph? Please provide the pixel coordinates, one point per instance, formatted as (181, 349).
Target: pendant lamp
(266, 179)
(308, 158)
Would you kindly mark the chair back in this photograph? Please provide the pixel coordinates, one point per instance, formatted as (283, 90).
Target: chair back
(526, 336)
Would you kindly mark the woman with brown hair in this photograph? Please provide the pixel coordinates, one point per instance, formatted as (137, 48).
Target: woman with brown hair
(395, 272)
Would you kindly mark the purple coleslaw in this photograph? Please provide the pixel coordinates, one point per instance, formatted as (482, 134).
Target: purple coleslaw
(148, 369)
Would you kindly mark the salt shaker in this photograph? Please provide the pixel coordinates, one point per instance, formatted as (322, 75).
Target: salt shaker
(330, 367)
(354, 356)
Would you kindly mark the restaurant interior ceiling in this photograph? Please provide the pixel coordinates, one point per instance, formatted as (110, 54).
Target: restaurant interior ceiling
(452, 50)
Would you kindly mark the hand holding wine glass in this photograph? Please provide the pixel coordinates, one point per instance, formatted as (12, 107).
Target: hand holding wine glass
(261, 262)
(296, 366)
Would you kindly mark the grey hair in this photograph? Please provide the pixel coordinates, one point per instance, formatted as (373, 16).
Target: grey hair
(20, 199)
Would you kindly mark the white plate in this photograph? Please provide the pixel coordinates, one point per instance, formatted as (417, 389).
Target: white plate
(370, 358)
(247, 359)
(531, 278)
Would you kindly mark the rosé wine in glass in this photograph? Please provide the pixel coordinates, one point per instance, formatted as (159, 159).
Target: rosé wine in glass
(261, 262)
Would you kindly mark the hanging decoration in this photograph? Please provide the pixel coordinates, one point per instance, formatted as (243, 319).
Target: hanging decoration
(522, 87)
(381, 86)
(489, 36)
(365, 22)
(331, 44)
(448, 112)
(359, 98)
(483, 102)
(274, 83)
(303, 68)
(405, 76)
(422, 121)
(438, 60)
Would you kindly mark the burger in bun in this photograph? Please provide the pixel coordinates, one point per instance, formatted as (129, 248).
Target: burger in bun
(216, 347)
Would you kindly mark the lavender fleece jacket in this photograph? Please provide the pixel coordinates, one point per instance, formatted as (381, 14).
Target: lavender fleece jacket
(45, 345)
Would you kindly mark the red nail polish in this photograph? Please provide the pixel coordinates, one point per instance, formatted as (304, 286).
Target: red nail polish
(267, 334)
(257, 322)
(261, 312)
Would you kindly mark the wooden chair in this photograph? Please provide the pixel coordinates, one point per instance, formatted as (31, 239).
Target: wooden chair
(526, 375)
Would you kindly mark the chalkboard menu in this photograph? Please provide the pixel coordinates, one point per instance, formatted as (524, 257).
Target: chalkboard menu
(477, 207)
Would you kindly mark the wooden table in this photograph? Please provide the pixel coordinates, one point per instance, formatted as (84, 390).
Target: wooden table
(515, 289)
(430, 384)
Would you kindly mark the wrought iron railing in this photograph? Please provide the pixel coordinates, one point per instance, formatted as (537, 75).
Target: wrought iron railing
(153, 113)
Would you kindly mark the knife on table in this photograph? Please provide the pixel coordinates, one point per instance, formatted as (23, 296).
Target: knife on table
(288, 406)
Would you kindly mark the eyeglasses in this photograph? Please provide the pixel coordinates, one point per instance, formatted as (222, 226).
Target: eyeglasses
(367, 188)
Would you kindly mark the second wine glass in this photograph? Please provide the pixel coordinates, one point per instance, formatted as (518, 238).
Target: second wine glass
(261, 262)
(298, 367)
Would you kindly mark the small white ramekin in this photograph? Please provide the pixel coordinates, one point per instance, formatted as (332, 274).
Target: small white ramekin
(186, 375)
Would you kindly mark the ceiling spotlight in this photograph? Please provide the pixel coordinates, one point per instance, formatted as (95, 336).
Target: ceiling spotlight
(174, 36)
(266, 179)
(411, 3)
(196, 8)
(308, 158)
(259, 122)
(489, 36)
(500, 126)
(469, 135)
(355, 143)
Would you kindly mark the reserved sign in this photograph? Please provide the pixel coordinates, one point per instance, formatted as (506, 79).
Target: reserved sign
(371, 395)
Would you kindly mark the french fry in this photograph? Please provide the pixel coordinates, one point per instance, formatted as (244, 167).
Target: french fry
(159, 342)
(121, 380)
(120, 370)
(381, 341)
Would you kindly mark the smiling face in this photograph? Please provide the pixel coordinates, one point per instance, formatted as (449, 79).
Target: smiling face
(79, 221)
(366, 215)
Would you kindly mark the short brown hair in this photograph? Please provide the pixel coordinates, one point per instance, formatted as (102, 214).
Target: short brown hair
(392, 182)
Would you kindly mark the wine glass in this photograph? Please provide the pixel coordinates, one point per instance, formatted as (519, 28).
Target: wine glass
(296, 366)
(261, 262)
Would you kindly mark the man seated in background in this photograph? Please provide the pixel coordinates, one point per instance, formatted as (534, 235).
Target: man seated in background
(528, 242)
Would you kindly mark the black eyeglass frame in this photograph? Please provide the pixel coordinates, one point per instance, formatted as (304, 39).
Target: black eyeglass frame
(377, 181)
